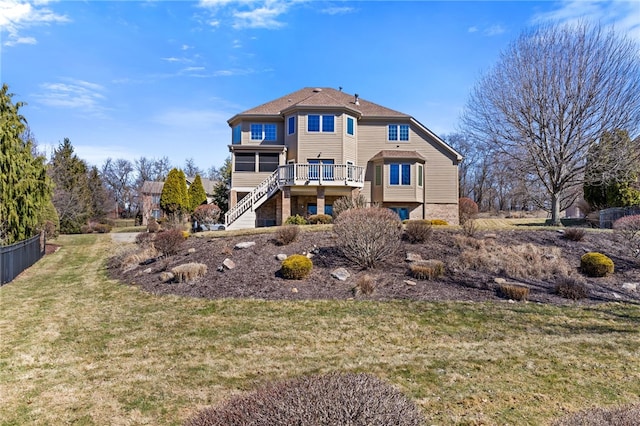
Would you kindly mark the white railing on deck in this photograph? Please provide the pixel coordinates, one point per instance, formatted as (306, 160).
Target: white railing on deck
(297, 174)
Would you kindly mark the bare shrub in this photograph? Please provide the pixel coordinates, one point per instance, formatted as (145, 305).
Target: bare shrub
(345, 203)
(467, 209)
(319, 219)
(206, 214)
(287, 234)
(365, 285)
(331, 399)
(513, 292)
(427, 269)
(169, 242)
(571, 288)
(86, 229)
(189, 271)
(466, 242)
(627, 229)
(520, 261)
(101, 228)
(417, 231)
(145, 239)
(574, 234)
(470, 228)
(626, 415)
(153, 226)
(368, 236)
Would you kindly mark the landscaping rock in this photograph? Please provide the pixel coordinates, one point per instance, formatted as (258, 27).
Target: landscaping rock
(630, 286)
(341, 274)
(228, 263)
(245, 245)
(616, 296)
(413, 257)
(191, 250)
(166, 276)
(294, 290)
(147, 271)
(490, 236)
(281, 256)
(499, 281)
(409, 282)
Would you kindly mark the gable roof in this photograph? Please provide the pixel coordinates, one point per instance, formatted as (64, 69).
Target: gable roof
(324, 97)
(149, 187)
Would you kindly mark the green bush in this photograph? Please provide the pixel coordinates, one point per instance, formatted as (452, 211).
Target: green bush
(331, 399)
(427, 269)
(417, 231)
(319, 219)
(595, 264)
(296, 267)
(295, 220)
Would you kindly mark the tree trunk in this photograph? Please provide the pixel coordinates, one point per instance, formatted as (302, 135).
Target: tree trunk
(555, 210)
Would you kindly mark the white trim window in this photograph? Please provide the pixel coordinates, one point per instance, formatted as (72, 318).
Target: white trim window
(263, 132)
(398, 132)
(399, 174)
(321, 123)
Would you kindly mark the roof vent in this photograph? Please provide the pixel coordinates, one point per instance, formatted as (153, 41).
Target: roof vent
(356, 101)
(317, 89)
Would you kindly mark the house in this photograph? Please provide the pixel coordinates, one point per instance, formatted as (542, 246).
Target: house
(299, 153)
(151, 192)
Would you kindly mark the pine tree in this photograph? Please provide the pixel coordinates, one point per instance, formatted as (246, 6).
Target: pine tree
(174, 199)
(197, 194)
(24, 187)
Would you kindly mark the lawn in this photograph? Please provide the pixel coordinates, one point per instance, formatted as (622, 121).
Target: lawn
(76, 347)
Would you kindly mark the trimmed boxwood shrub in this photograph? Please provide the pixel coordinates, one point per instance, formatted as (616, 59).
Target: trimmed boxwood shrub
(295, 220)
(596, 264)
(331, 399)
(319, 219)
(296, 267)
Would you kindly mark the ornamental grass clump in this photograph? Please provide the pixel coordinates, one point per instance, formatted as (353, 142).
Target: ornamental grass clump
(332, 399)
(189, 271)
(296, 267)
(427, 269)
(574, 234)
(594, 264)
(571, 288)
(366, 285)
(513, 292)
(368, 236)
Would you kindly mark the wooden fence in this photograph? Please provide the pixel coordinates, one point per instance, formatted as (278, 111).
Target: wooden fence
(19, 256)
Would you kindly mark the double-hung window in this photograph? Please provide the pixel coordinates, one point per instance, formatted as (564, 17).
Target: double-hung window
(350, 126)
(263, 132)
(291, 125)
(321, 123)
(399, 174)
(398, 132)
(236, 137)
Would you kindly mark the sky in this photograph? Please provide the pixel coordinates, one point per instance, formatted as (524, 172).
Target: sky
(127, 79)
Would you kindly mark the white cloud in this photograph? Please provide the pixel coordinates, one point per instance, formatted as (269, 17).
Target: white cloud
(17, 16)
(473, 29)
(80, 95)
(494, 30)
(261, 17)
(247, 13)
(623, 15)
(337, 10)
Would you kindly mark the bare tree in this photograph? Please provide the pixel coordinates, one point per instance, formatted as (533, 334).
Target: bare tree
(117, 175)
(191, 169)
(552, 94)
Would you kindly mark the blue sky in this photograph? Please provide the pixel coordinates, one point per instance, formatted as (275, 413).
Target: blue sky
(125, 79)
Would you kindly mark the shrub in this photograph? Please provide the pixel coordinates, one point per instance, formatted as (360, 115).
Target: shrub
(467, 209)
(595, 264)
(571, 288)
(50, 230)
(287, 234)
(574, 234)
(514, 292)
(627, 415)
(206, 214)
(319, 219)
(417, 231)
(102, 228)
(169, 242)
(189, 271)
(331, 399)
(365, 285)
(152, 225)
(628, 231)
(470, 228)
(296, 267)
(145, 239)
(86, 229)
(345, 203)
(295, 220)
(427, 269)
(367, 236)
(439, 222)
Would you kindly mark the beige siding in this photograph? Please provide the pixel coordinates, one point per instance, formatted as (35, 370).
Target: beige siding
(246, 132)
(319, 144)
(441, 180)
(350, 152)
(291, 141)
(247, 179)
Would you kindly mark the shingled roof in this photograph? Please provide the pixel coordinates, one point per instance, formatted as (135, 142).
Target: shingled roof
(391, 153)
(321, 97)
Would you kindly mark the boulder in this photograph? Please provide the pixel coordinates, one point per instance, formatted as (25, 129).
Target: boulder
(499, 281)
(340, 274)
(245, 245)
(281, 256)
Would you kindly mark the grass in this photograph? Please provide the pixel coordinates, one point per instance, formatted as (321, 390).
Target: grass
(76, 347)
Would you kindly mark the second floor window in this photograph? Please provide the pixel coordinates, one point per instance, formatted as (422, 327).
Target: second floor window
(237, 135)
(321, 123)
(350, 126)
(263, 132)
(291, 125)
(399, 174)
(398, 132)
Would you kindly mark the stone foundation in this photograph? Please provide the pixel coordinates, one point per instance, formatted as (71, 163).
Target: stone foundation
(448, 212)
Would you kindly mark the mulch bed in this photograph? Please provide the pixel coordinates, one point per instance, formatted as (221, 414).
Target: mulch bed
(256, 274)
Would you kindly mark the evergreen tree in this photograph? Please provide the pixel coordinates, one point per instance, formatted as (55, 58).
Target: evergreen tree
(221, 189)
(197, 194)
(71, 194)
(100, 202)
(174, 199)
(24, 187)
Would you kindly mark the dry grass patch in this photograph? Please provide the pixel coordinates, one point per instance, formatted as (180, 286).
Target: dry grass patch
(189, 271)
(427, 269)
